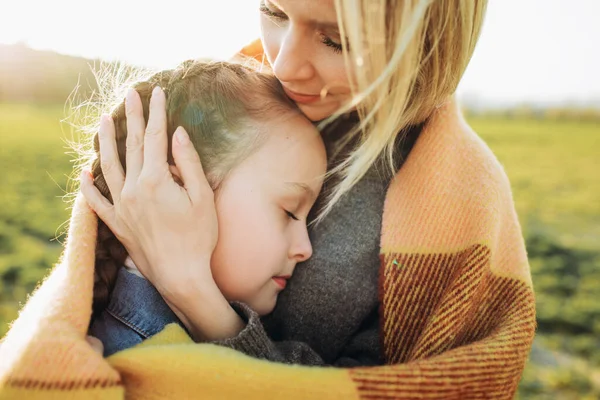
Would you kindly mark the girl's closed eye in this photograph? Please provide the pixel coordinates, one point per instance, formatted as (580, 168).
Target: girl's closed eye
(291, 215)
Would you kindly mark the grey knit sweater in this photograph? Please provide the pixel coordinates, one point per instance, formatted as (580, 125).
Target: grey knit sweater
(328, 314)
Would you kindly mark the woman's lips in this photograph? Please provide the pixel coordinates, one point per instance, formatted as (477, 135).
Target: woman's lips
(281, 281)
(301, 98)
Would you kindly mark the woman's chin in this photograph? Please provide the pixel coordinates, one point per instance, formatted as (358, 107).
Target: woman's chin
(317, 112)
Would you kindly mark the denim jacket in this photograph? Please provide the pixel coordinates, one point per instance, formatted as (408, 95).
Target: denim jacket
(135, 312)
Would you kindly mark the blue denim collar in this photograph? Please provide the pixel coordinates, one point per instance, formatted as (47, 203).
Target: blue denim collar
(137, 304)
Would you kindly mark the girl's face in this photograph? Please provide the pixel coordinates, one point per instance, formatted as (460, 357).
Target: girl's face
(262, 208)
(303, 45)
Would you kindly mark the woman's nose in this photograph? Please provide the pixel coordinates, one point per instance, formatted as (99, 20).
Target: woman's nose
(293, 60)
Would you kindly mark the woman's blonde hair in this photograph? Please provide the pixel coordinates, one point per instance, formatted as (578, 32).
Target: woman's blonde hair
(404, 58)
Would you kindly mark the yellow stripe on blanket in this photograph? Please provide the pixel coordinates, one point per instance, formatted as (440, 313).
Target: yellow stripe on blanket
(210, 372)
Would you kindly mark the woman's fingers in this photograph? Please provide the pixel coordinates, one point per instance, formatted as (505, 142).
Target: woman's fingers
(176, 174)
(136, 125)
(109, 158)
(155, 140)
(95, 199)
(189, 166)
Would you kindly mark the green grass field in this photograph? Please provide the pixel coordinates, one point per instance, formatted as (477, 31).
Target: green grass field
(33, 177)
(553, 167)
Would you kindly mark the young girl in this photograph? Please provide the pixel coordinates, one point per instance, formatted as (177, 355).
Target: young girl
(264, 160)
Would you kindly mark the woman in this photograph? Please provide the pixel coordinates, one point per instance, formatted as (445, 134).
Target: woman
(424, 271)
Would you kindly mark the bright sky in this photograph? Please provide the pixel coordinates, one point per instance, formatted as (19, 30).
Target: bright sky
(530, 50)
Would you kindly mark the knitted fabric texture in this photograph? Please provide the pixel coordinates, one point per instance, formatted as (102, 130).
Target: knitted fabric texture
(457, 306)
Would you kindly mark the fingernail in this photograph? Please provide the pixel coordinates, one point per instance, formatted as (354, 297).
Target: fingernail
(156, 90)
(181, 136)
(104, 121)
(85, 175)
(129, 96)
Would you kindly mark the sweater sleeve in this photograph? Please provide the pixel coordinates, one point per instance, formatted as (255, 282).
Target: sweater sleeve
(254, 341)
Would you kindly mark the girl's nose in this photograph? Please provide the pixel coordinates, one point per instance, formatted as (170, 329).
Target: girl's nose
(302, 249)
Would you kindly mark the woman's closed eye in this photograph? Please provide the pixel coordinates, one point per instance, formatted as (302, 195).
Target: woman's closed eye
(279, 16)
(326, 40)
(273, 14)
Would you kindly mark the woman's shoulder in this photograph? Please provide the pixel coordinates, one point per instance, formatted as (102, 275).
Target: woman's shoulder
(449, 152)
(451, 191)
(253, 50)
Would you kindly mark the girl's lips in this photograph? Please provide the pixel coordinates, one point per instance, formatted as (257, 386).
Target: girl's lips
(301, 98)
(281, 281)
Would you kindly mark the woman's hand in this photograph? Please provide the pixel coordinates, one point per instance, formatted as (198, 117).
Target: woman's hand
(169, 230)
(159, 222)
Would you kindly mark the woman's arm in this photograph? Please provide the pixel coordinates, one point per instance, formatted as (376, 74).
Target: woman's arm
(213, 320)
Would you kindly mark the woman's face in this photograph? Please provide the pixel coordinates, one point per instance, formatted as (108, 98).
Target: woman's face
(303, 45)
(262, 207)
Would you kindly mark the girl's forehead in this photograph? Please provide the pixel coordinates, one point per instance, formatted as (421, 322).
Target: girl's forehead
(295, 147)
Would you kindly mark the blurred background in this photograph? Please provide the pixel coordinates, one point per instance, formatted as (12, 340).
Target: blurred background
(532, 92)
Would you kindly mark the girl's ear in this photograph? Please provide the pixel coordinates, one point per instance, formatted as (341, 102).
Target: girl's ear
(176, 174)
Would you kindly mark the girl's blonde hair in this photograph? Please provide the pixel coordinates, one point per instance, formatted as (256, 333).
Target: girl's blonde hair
(404, 59)
(221, 105)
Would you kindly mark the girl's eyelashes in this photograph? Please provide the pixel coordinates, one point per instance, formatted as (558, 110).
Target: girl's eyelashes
(292, 216)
